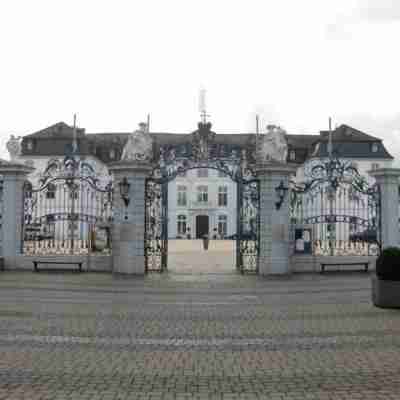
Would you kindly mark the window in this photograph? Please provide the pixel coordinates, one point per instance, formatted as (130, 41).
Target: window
(202, 173)
(292, 155)
(222, 225)
(51, 191)
(374, 147)
(181, 227)
(202, 194)
(182, 174)
(223, 196)
(29, 145)
(182, 199)
(73, 194)
(112, 154)
(374, 166)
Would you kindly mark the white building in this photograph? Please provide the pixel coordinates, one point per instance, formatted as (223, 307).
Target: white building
(202, 201)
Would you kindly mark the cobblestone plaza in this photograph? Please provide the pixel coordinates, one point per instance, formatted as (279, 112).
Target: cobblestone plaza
(195, 336)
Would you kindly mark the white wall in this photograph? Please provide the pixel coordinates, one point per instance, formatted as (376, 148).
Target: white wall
(192, 181)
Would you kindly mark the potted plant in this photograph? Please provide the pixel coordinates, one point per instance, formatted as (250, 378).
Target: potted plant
(386, 280)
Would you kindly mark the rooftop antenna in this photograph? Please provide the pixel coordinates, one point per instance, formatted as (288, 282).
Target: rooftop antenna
(148, 123)
(74, 139)
(202, 106)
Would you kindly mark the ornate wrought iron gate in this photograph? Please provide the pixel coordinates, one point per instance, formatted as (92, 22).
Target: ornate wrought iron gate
(248, 225)
(339, 209)
(247, 220)
(156, 225)
(69, 213)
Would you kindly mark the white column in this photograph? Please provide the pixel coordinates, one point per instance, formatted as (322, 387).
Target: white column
(274, 224)
(14, 177)
(129, 221)
(388, 181)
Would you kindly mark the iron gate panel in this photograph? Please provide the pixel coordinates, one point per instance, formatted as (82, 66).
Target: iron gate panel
(69, 213)
(156, 225)
(248, 226)
(341, 209)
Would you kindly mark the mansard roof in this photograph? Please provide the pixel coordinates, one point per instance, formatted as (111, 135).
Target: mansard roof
(345, 133)
(56, 140)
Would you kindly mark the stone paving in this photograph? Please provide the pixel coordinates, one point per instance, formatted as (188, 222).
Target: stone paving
(195, 336)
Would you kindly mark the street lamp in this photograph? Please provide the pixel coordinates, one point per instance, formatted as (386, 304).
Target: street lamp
(124, 186)
(281, 191)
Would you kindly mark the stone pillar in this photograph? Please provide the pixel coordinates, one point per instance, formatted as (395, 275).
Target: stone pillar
(129, 221)
(14, 176)
(274, 224)
(388, 181)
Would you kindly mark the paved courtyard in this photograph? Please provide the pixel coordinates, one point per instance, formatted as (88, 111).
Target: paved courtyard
(195, 336)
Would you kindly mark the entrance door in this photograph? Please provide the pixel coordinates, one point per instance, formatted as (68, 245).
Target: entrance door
(202, 226)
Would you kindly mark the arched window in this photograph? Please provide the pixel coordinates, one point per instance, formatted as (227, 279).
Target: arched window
(222, 225)
(181, 224)
(223, 196)
(51, 191)
(182, 198)
(202, 194)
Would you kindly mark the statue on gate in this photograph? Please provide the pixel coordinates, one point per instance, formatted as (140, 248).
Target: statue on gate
(14, 147)
(273, 145)
(139, 146)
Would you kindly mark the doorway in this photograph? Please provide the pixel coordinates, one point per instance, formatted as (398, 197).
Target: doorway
(202, 226)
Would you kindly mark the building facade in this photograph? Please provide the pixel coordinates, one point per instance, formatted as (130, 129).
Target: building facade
(201, 201)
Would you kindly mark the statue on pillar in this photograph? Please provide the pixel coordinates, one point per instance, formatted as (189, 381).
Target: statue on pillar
(272, 146)
(139, 146)
(14, 147)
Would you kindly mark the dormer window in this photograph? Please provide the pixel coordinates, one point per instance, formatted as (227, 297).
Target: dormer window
(292, 155)
(374, 147)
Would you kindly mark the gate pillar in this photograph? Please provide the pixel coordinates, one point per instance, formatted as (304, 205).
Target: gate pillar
(274, 221)
(388, 181)
(129, 217)
(12, 210)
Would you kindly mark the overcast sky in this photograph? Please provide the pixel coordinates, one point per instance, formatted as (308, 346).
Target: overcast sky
(112, 62)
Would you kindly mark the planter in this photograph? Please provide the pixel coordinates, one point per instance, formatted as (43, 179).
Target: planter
(385, 293)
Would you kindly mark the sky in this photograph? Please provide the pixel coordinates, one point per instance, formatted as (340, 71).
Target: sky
(294, 63)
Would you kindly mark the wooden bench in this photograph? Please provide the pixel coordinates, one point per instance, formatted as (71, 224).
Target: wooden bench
(37, 262)
(324, 264)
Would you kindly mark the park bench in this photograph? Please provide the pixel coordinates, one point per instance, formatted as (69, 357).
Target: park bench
(37, 262)
(338, 264)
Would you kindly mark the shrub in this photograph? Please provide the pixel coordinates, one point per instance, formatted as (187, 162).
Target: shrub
(388, 264)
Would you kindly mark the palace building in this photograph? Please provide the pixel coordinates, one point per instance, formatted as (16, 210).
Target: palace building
(200, 201)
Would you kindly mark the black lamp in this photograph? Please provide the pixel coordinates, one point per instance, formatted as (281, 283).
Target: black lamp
(124, 186)
(281, 193)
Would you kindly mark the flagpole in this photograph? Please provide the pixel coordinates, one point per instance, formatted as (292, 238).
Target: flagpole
(330, 138)
(74, 140)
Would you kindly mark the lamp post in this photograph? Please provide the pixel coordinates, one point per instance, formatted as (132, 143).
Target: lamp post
(281, 191)
(124, 187)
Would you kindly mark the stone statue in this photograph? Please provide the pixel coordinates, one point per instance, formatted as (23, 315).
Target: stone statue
(273, 145)
(14, 147)
(139, 146)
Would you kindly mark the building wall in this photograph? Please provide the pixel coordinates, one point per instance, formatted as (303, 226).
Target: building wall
(194, 208)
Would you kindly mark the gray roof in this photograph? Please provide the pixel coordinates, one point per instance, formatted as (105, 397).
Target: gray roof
(56, 140)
